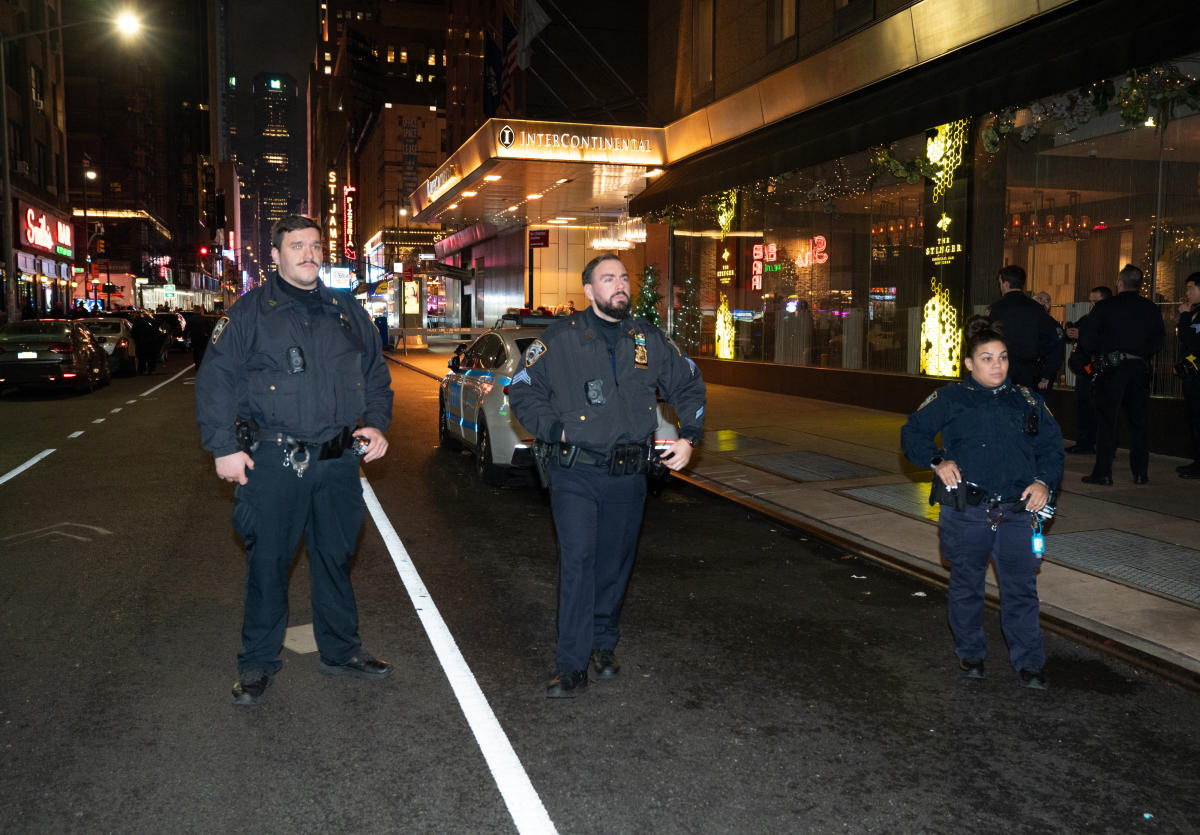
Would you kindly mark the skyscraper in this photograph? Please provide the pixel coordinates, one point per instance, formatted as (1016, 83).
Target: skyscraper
(274, 96)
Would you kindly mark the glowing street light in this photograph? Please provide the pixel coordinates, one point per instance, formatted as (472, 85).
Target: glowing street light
(127, 24)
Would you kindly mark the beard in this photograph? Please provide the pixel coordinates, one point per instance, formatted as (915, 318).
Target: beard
(617, 308)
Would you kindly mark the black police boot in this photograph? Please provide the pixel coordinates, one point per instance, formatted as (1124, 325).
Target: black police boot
(1033, 679)
(606, 663)
(972, 667)
(362, 665)
(1097, 479)
(567, 684)
(250, 687)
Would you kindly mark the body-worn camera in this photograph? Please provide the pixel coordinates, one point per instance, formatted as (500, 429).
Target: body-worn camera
(295, 360)
(358, 445)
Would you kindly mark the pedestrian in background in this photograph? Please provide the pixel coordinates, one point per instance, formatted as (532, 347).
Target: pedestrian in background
(1125, 332)
(1188, 329)
(1080, 362)
(1033, 337)
(1000, 460)
(292, 376)
(587, 391)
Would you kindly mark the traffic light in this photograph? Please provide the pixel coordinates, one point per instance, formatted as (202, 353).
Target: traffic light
(99, 246)
(203, 252)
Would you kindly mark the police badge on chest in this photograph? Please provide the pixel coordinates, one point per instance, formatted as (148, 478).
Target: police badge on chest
(640, 359)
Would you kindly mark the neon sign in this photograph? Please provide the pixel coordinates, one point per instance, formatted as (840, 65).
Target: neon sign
(40, 231)
(332, 222)
(764, 254)
(348, 214)
(725, 273)
(816, 253)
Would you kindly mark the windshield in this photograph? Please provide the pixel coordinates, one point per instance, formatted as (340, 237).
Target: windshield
(103, 327)
(19, 330)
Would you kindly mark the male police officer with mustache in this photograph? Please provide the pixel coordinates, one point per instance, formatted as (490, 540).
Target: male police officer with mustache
(586, 389)
(287, 376)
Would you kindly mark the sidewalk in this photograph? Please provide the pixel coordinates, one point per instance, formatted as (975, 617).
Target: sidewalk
(1122, 565)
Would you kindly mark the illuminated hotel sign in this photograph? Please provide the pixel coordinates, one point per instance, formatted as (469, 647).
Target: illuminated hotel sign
(348, 215)
(331, 229)
(537, 142)
(440, 182)
(45, 232)
(725, 273)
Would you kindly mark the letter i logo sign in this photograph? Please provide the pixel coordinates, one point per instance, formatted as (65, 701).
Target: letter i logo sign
(506, 136)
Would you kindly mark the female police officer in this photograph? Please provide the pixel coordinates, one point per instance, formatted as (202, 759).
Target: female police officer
(1001, 456)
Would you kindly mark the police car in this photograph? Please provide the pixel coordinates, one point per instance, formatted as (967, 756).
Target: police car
(473, 410)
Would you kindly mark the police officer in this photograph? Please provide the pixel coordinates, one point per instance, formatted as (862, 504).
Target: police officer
(586, 389)
(288, 374)
(1125, 332)
(1188, 330)
(1032, 335)
(1080, 362)
(1000, 459)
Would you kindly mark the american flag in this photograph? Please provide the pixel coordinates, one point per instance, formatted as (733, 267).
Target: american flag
(508, 74)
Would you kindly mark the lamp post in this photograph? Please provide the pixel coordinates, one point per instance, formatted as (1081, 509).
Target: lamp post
(127, 24)
(89, 174)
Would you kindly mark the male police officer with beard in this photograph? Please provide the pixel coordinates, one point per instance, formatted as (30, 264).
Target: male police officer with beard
(286, 378)
(1125, 332)
(586, 390)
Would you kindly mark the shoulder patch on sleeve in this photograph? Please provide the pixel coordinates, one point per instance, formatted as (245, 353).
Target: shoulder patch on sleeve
(671, 342)
(219, 328)
(534, 352)
(932, 397)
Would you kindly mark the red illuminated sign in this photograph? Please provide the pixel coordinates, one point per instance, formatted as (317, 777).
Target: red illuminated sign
(43, 231)
(816, 253)
(348, 221)
(763, 253)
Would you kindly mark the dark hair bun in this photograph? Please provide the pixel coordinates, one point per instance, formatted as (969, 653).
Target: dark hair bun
(983, 329)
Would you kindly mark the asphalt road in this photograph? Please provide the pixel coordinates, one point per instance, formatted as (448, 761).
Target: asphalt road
(770, 683)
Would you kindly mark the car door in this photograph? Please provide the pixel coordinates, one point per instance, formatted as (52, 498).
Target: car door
(453, 398)
(477, 382)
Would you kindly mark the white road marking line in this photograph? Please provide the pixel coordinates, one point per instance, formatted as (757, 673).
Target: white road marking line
(25, 466)
(114, 411)
(150, 391)
(98, 420)
(524, 805)
(130, 402)
(75, 434)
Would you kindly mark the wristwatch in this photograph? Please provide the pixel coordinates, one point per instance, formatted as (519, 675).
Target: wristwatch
(934, 461)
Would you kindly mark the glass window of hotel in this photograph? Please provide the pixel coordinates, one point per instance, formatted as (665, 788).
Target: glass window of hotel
(1087, 192)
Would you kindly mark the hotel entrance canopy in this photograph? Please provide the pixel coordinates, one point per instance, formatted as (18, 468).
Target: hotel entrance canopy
(520, 172)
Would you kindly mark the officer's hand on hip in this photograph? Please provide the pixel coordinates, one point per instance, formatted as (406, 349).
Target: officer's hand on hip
(377, 444)
(948, 472)
(233, 467)
(677, 455)
(1036, 495)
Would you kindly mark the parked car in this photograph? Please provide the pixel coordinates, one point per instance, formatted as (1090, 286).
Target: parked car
(115, 336)
(177, 331)
(473, 408)
(51, 352)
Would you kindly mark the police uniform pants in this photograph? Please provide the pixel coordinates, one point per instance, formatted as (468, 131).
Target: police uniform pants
(1191, 396)
(274, 510)
(967, 540)
(1085, 411)
(597, 517)
(1125, 387)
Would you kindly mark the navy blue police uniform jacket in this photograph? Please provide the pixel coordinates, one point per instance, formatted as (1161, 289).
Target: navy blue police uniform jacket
(246, 371)
(550, 393)
(983, 432)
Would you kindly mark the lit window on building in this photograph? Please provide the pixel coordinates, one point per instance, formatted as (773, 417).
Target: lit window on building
(391, 55)
(420, 78)
(432, 59)
(404, 56)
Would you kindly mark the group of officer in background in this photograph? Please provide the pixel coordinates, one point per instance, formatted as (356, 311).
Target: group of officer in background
(1114, 346)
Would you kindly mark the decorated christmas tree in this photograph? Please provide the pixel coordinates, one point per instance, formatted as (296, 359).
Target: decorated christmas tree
(645, 304)
(687, 323)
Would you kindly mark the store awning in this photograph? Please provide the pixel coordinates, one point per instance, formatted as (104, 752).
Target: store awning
(516, 171)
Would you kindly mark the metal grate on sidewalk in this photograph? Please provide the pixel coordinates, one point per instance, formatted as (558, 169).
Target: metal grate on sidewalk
(803, 465)
(909, 497)
(1159, 567)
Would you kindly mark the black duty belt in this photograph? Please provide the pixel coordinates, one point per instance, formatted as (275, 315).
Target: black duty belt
(332, 448)
(622, 459)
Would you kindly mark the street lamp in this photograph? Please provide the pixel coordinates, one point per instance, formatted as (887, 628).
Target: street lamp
(127, 24)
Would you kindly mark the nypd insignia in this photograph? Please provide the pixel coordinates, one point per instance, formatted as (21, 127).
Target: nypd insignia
(219, 328)
(640, 359)
(534, 352)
